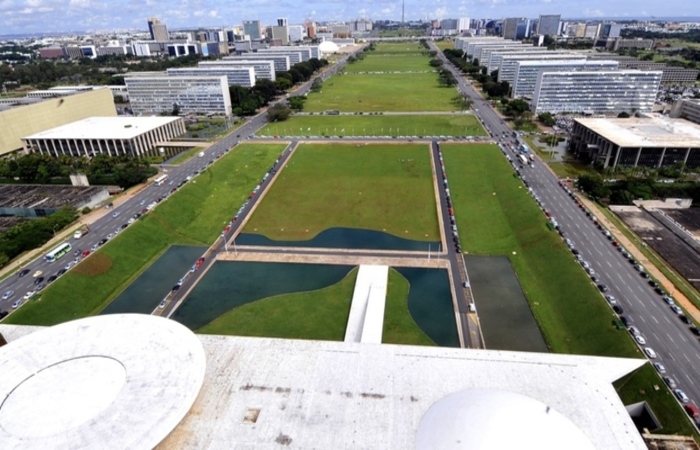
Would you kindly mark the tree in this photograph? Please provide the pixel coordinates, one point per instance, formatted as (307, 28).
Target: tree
(297, 102)
(546, 119)
(283, 85)
(278, 113)
(593, 183)
(317, 85)
(436, 62)
(624, 115)
(176, 109)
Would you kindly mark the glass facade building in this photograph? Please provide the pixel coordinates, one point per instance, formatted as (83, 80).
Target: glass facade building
(527, 72)
(200, 95)
(595, 92)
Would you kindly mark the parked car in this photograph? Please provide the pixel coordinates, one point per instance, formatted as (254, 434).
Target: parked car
(659, 367)
(640, 339)
(650, 352)
(670, 382)
(680, 395)
(603, 288)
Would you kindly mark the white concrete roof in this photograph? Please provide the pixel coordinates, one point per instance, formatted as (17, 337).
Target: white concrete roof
(120, 127)
(108, 382)
(366, 318)
(646, 132)
(267, 393)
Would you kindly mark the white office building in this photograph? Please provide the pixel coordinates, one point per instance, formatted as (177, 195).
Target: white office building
(509, 63)
(114, 136)
(596, 92)
(484, 50)
(296, 33)
(264, 70)
(494, 62)
(294, 56)
(192, 94)
(527, 72)
(463, 43)
(236, 76)
(281, 61)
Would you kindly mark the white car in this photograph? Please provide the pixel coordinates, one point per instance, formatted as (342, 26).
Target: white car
(7, 295)
(17, 303)
(28, 295)
(660, 367)
(640, 339)
(650, 352)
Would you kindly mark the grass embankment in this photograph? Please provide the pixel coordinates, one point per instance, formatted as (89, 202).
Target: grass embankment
(498, 217)
(445, 44)
(184, 156)
(379, 187)
(397, 47)
(321, 314)
(193, 215)
(399, 326)
(382, 92)
(384, 125)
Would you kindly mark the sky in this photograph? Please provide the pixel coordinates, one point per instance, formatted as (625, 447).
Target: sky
(29, 16)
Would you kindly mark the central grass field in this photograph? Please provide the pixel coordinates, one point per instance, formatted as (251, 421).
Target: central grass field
(382, 92)
(377, 187)
(384, 125)
(195, 215)
(497, 216)
(397, 47)
(384, 62)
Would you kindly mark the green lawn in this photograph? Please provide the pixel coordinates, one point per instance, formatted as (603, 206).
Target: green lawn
(194, 215)
(320, 315)
(382, 92)
(399, 326)
(384, 125)
(498, 217)
(397, 47)
(380, 187)
(384, 62)
(184, 156)
(569, 169)
(445, 44)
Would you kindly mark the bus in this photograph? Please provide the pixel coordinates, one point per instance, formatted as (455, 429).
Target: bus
(160, 180)
(59, 251)
(523, 159)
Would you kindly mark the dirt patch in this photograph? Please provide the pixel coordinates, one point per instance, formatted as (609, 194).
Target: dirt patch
(689, 218)
(639, 221)
(96, 264)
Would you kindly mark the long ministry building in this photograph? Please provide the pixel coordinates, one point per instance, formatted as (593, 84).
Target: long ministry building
(188, 94)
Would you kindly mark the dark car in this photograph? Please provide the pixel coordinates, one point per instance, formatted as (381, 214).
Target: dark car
(176, 288)
(23, 272)
(695, 330)
(684, 318)
(595, 279)
(574, 251)
(653, 284)
(61, 272)
(102, 242)
(626, 321)
(124, 225)
(646, 275)
(618, 309)
(603, 288)
(51, 279)
(38, 280)
(659, 291)
(3, 314)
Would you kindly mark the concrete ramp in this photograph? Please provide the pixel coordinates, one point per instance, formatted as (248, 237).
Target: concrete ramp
(366, 320)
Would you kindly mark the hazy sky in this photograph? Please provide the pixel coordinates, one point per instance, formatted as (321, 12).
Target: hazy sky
(26, 16)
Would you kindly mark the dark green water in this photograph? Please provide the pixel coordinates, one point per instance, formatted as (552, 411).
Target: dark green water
(354, 238)
(229, 284)
(430, 304)
(146, 292)
(506, 319)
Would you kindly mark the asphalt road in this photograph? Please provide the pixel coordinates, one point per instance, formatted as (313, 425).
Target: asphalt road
(111, 223)
(676, 347)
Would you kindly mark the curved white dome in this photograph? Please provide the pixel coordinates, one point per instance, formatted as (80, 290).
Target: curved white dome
(495, 419)
(328, 47)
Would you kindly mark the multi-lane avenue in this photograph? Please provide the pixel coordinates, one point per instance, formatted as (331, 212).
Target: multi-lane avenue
(676, 348)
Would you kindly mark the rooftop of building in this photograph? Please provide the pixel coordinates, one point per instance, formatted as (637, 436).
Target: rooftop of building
(120, 127)
(46, 196)
(653, 131)
(263, 393)
(567, 62)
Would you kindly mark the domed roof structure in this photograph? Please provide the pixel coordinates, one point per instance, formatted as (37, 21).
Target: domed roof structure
(496, 419)
(328, 47)
(113, 381)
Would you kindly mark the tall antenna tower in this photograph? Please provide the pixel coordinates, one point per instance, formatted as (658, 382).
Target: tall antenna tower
(403, 9)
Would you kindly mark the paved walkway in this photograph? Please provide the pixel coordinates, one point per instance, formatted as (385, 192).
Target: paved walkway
(649, 267)
(340, 258)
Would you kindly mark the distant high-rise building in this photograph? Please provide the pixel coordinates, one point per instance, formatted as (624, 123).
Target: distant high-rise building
(516, 28)
(548, 25)
(252, 28)
(281, 33)
(463, 24)
(158, 30)
(611, 30)
(296, 33)
(282, 22)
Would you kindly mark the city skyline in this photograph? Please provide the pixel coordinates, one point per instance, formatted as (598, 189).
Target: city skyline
(35, 16)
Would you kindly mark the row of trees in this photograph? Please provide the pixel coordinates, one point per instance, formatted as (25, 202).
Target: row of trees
(43, 74)
(640, 183)
(123, 171)
(246, 101)
(31, 234)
